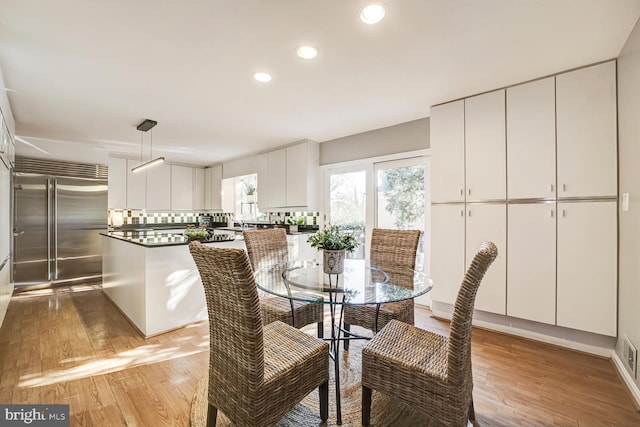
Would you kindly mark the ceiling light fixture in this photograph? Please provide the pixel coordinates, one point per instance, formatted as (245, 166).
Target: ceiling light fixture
(307, 52)
(262, 77)
(373, 13)
(145, 126)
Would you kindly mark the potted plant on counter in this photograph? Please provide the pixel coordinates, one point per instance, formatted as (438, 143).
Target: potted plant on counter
(335, 243)
(250, 191)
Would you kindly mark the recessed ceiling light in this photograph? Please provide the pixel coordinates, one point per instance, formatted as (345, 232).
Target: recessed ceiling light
(262, 77)
(307, 52)
(373, 13)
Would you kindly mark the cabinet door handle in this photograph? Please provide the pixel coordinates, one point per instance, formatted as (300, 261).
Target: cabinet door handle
(469, 191)
(462, 213)
(469, 212)
(564, 213)
(552, 188)
(551, 213)
(461, 192)
(564, 187)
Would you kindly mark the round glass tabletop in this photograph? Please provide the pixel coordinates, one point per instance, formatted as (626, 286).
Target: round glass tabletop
(363, 282)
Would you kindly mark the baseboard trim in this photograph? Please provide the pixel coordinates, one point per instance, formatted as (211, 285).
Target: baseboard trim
(626, 377)
(572, 345)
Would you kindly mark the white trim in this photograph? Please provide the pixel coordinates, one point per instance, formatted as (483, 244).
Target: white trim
(573, 345)
(626, 377)
(386, 158)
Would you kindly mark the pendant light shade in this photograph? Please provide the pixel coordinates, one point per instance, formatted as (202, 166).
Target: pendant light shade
(145, 126)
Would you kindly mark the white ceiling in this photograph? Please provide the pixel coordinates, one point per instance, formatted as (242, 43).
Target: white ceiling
(82, 74)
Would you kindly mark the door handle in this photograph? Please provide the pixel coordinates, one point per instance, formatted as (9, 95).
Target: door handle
(18, 233)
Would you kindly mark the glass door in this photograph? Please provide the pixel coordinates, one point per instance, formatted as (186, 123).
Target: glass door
(402, 202)
(349, 204)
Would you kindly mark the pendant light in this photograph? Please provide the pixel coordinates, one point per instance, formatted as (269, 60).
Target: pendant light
(145, 126)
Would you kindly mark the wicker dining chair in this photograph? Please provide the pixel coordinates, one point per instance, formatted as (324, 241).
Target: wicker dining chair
(429, 371)
(267, 247)
(257, 373)
(390, 249)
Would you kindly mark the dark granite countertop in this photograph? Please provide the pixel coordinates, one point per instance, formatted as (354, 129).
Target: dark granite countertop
(155, 238)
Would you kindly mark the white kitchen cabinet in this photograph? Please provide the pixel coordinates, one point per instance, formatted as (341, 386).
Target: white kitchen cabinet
(587, 266)
(288, 178)
(447, 250)
(485, 147)
(117, 180)
(277, 178)
(302, 175)
(587, 131)
(488, 222)
(531, 262)
(158, 187)
(447, 152)
(136, 187)
(198, 189)
(531, 140)
(181, 188)
(213, 187)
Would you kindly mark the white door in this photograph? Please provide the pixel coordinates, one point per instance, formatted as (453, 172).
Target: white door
(402, 202)
(485, 147)
(447, 250)
(488, 222)
(447, 148)
(587, 266)
(349, 203)
(587, 131)
(531, 262)
(531, 140)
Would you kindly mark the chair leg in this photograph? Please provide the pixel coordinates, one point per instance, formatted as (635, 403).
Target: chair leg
(323, 392)
(366, 405)
(320, 329)
(212, 414)
(347, 327)
(472, 412)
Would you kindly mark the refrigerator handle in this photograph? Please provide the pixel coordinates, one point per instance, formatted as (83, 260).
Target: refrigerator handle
(55, 227)
(49, 213)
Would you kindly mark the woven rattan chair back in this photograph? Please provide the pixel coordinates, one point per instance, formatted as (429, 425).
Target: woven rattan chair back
(266, 247)
(394, 251)
(459, 355)
(236, 356)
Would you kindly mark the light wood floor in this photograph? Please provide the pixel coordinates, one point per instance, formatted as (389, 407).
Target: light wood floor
(73, 347)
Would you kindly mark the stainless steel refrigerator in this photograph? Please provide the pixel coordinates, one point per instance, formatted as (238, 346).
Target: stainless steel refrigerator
(57, 221)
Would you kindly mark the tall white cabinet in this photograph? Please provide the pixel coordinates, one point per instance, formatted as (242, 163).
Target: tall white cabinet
(539, 170)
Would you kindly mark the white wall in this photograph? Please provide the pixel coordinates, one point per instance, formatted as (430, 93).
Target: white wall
(402, 138)
(6, 107)
(629, 182)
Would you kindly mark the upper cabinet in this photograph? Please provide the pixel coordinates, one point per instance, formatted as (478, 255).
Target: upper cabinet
(136, 187)
(160, 188)
(288, 178)
(485, 147)
(117, 180)
(213, 187)
(447, 152)
(181, 188)
(531, 140)
(587, 131)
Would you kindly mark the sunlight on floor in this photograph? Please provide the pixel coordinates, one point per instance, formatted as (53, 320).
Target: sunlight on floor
(143, 355)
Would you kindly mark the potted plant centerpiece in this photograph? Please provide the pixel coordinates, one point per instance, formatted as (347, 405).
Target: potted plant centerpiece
(334, 243)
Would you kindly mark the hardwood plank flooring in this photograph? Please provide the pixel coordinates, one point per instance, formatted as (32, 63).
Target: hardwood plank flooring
(72, 346)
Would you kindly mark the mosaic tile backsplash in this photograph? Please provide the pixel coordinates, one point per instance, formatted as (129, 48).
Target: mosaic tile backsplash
(128, 218)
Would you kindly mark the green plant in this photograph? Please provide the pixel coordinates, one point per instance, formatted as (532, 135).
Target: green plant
(296, 220)
(249, 189)
(332, 237)
(196, 233)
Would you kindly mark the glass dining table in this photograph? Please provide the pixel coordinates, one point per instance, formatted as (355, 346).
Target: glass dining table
(362, 282)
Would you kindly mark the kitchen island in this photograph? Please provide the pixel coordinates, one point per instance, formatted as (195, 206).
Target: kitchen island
(151, 277)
